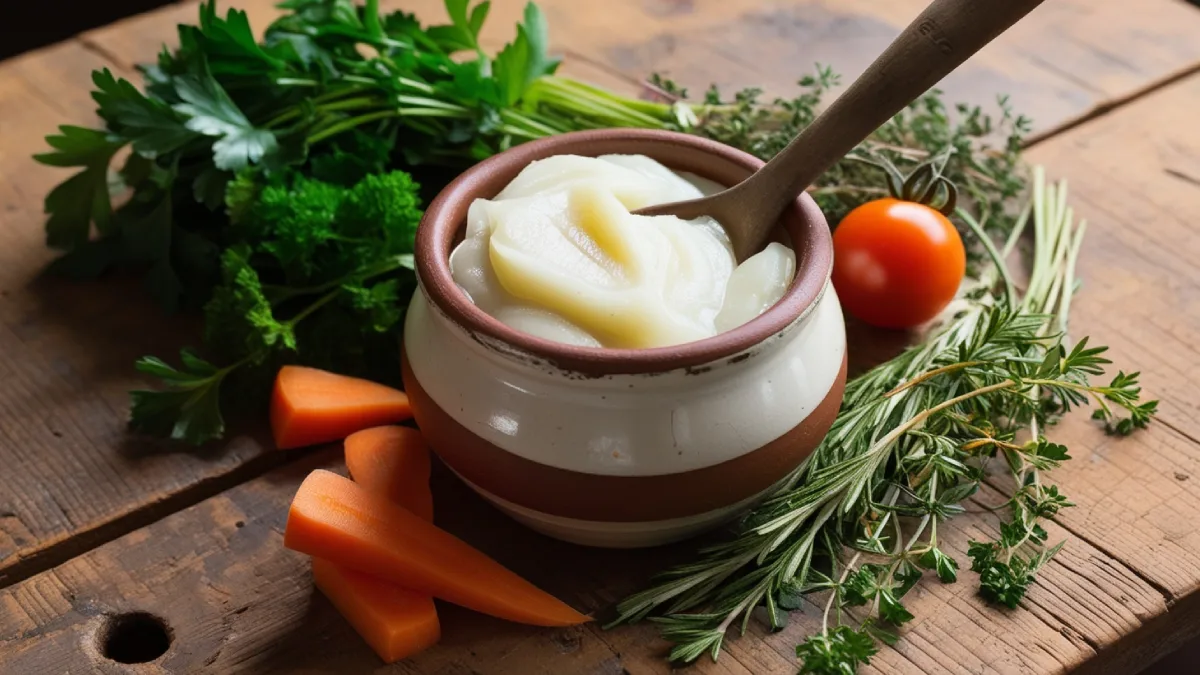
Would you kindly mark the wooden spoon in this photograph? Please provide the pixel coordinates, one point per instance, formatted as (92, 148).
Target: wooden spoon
(947, 33)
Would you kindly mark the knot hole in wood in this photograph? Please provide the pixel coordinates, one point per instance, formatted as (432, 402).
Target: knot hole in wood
(134, 637)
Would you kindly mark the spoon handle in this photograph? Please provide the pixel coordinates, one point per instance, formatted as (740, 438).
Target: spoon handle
(945, 35)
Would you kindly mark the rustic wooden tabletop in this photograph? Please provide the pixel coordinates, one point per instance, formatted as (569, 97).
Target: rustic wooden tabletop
(94, 524)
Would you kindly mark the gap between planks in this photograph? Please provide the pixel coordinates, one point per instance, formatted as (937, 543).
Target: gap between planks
(1110, 107)
(85, 541)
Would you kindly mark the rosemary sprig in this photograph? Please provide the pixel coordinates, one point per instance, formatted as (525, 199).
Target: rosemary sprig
(859, 519)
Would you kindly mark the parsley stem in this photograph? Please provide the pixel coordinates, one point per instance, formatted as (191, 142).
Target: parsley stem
(342, 92)
(426, 102)
(278, 294)
(528, 122)
(351, 123)
(307, 311)
(296, 82)
(348, 104)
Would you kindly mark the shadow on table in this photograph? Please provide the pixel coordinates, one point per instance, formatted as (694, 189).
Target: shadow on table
(90, 333)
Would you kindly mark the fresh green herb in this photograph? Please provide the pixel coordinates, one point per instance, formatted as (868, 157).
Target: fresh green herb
(990, 177)
(274, 184)
(244, 143)
(912, 443)
(331, 256)
(271, 183)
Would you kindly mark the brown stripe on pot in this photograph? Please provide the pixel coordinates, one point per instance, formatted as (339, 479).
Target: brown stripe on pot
(445, 221)
(594, 497)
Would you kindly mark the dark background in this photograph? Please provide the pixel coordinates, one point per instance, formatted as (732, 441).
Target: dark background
(28, 24)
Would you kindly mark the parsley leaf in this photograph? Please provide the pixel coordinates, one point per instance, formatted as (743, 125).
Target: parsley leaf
(891, 610)
(154, 128)
(229, 44)
(463, 32)
(82, 199)
(293, 223)
(188, 409)
(239, 320)
(211, 112)
(525, 59)
(380, 303)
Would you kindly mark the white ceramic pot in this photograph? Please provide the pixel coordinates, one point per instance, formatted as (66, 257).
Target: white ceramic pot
(622, 448)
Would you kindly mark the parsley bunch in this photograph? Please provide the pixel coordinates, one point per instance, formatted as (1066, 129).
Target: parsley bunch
(315, 271)
(858, 521)
(273, 183)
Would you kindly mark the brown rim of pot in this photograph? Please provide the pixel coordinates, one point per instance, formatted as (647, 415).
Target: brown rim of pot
(446, 217)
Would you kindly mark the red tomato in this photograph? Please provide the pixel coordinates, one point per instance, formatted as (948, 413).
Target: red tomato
(896, 264)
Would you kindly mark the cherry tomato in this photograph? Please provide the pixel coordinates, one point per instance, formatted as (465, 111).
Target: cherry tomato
(896, 263)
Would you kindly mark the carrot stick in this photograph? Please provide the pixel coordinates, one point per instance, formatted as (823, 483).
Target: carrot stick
(396, 622)
(310, 406)
(335, 519)
(393, 462)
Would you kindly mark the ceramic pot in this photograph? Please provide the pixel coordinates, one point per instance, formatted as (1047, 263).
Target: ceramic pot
(615, 447)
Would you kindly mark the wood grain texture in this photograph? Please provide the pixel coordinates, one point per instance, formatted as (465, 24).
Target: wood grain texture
(1067, 58)
(1135, 175)
(1121, 594)
(71, 476)
(250, 606)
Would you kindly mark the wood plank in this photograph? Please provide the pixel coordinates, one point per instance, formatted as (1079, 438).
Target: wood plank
(72, 476)
(1068, 58)
(251, 607)
(1135, 175)
(1136, 497)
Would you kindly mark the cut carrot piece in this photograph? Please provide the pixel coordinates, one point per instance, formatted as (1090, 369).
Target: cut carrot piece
(310, 406)
(396, 622)
(393, 462)
(335, 519)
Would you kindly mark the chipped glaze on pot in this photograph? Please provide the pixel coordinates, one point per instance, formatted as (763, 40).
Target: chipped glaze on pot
(614, 447)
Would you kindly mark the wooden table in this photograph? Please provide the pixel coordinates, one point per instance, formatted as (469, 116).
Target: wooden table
(94, 524)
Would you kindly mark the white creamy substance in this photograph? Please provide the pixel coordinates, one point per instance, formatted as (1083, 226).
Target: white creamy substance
(558, 255)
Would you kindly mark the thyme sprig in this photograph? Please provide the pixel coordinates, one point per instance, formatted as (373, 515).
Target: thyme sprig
(982, 150)
(913, 441)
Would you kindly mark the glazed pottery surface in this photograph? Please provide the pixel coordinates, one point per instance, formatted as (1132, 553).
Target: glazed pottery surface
(622, 447)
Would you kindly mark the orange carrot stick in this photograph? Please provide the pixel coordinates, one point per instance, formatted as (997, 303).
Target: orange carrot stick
(393, 462)
(396, 622)
(335, 519)
(310, 406)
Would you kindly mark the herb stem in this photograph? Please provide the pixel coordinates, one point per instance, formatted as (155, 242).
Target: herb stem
(349, 124)
(837, 591)
(930, 374)
(307, 311)
(281, 293)
(1010, 293)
